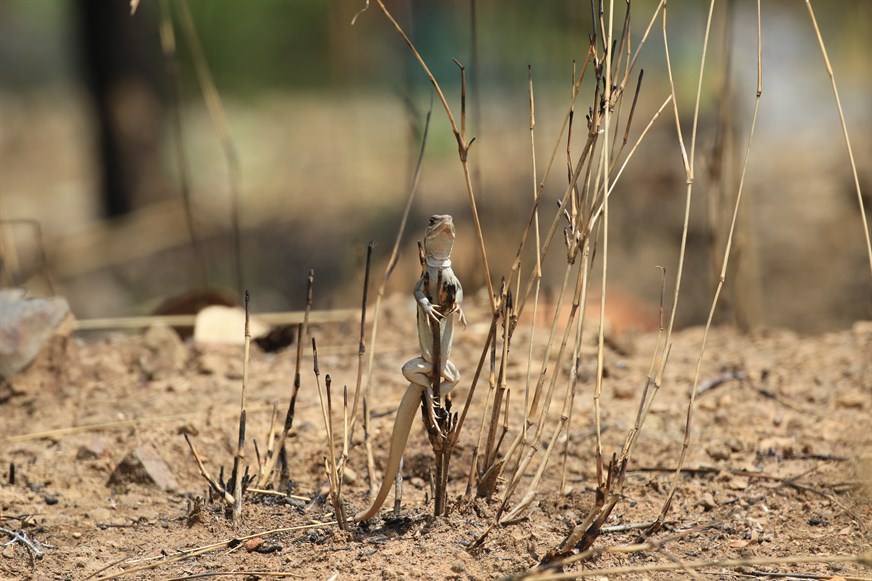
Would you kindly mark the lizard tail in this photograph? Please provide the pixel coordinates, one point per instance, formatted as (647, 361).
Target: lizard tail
(402, 426)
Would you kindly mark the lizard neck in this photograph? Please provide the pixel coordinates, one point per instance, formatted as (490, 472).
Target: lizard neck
(433, 262)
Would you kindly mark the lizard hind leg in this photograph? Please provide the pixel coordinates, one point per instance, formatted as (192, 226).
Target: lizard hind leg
(402, 426)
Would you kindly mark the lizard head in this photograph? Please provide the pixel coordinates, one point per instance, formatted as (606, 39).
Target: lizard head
(439, 236)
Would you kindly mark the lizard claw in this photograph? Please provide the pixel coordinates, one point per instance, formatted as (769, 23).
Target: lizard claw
(461, 316)
(434, 315)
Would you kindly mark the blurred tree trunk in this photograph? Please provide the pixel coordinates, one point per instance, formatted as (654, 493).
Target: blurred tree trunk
(121, 62)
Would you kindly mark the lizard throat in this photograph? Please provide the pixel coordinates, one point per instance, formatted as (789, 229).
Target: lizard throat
(433, 262)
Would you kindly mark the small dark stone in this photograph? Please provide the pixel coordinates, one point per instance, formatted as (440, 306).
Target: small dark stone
(50, 499)
(817, 521)
(267, 548)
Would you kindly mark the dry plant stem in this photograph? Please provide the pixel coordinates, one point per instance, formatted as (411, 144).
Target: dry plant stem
(219, 121)
(246, 574)
(168, 46)
(600, 364)
(389, 268)
(631, 65)
(213, 547)
(721, 279)
(228, 498)
(462, 148)
(863, 559)
(630, 440)
(579, 297)
(538, 271)
(688, 164)
(361, 353)
(596, 214)
(333, 477)
(238, 459)
(490, 337)
(829, 67)
(282, 318)
(302, 330)
(270, 441)
(488, 402)
(531, 442)
(573, 374)
(533, 412)
(438, 428)
(370, 460)
(491, 448)
(568, 398)
(336, 492)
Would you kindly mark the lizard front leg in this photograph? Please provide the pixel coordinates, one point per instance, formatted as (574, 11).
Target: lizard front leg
(402, 426)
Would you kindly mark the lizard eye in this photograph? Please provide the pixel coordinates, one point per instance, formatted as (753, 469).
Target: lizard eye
(432, 221)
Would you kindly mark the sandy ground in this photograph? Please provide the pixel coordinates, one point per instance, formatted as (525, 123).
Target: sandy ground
(785, 458)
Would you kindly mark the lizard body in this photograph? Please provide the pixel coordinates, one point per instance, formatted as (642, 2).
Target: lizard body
(438, 295)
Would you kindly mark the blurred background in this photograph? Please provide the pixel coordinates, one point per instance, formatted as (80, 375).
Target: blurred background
(326, 119)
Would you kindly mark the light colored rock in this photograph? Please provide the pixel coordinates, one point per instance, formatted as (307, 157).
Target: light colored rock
(143, 465)
(226, 326)
(25, 325)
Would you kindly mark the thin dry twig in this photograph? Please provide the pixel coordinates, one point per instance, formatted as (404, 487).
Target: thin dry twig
(863, 559)
(187, 554)
(214, 106)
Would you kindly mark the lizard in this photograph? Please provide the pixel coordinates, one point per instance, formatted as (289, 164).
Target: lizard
(438, 296)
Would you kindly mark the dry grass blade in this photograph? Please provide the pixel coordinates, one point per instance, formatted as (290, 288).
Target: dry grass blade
(829, 67)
